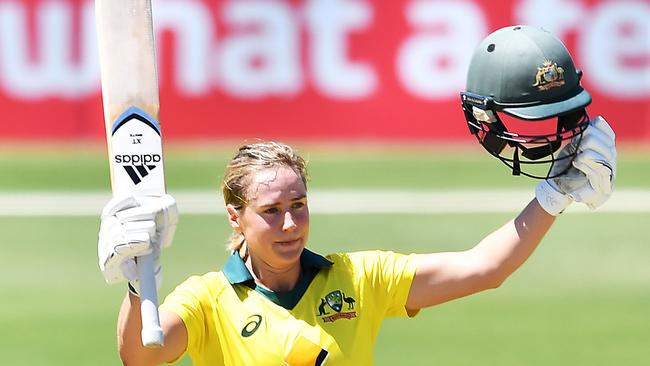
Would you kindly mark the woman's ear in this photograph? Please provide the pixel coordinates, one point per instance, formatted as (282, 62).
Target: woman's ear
(233, 218)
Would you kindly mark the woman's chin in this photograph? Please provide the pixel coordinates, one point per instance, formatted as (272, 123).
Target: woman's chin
(290, 250)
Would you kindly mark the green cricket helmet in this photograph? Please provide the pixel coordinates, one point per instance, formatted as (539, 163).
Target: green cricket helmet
(519, 78)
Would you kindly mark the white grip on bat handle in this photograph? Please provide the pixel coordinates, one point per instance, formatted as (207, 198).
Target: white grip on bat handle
(152, 334)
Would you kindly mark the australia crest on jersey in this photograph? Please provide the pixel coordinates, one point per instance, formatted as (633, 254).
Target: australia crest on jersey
(342, 305)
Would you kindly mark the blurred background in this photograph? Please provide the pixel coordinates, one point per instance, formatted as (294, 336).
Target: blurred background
(368, 92)
(319, 70)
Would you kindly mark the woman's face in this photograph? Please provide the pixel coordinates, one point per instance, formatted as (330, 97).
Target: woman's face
(275, 220)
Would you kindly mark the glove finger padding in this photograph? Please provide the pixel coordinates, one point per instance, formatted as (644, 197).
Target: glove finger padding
(139, 213)
(134, 245)
(599, 143)
(591, 177)
(600, 138)
(597, 160)
(133, 227)
(117, 204)
(136, 227)
(166, 220)
(572, 180)
(602, 144)
(597, 169)
(590, 197)
(121, 244)
(599, 124)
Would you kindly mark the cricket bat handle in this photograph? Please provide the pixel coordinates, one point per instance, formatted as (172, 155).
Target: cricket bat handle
(152, 334)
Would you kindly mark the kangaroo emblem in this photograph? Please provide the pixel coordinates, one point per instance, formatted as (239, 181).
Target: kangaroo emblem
(321, 308)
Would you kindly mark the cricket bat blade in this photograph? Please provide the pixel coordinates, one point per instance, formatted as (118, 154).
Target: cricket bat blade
(131, 114)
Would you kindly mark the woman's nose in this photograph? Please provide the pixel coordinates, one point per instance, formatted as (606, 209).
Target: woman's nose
(288, 224)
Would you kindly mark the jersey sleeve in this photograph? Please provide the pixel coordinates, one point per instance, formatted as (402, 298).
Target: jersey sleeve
(390, 276)
(188, 302)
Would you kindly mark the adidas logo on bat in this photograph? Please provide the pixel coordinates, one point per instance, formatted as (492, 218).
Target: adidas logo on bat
(144, 158)
(138, 166)
(138, 172)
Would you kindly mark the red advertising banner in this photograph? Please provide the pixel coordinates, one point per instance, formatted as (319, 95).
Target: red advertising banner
(315, 69)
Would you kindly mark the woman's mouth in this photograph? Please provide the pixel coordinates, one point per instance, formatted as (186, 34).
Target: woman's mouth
(288, 242)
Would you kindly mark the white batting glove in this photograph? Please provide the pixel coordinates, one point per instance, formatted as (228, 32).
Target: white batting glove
(133, 227)
(591, 177)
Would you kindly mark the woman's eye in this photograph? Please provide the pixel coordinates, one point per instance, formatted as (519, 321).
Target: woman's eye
(298, 205)
(271, 210)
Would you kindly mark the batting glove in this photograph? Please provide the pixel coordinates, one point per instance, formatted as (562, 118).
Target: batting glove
(591, 177)
(132, 227)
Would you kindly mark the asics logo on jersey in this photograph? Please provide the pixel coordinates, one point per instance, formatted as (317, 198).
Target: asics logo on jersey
(334, 301)
(254, 322)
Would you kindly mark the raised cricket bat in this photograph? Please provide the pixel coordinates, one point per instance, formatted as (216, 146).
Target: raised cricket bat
(131, 114)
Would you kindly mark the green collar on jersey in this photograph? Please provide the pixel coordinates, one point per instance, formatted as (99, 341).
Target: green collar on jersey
(236, 272)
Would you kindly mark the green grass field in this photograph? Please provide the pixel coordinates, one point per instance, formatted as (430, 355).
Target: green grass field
(582, 299)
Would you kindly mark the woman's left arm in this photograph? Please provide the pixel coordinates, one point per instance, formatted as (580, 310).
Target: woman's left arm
(589, 179)
(442, 277)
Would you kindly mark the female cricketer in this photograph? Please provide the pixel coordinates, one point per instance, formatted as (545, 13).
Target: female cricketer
(275, 302)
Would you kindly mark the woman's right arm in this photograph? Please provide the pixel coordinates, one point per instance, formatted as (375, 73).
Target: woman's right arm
(129, 326)
(131, 227)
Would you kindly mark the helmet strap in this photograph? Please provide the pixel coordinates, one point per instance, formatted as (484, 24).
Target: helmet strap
(536, 153)
(516, 166)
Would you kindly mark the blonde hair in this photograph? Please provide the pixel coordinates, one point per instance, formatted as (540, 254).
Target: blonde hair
(250, 159)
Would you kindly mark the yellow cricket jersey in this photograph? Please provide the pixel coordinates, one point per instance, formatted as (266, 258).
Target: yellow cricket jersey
(331, 318)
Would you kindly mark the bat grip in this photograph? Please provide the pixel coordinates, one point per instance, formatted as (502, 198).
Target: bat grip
(152, 334)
